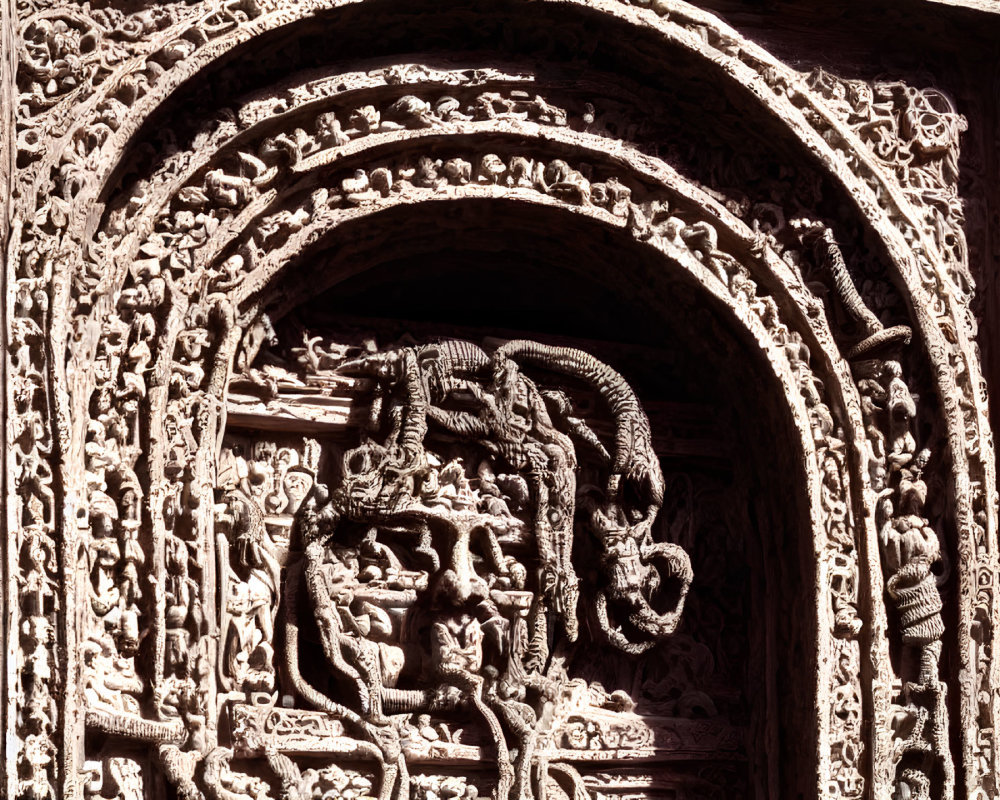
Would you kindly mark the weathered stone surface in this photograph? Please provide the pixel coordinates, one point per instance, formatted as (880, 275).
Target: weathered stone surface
(575, 398)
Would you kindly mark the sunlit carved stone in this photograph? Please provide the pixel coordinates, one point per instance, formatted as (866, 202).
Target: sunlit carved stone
(557, 399)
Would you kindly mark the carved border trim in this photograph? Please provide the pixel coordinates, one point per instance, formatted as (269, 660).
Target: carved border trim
(8, 601)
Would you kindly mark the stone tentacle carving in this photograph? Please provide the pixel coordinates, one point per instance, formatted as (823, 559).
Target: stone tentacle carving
(127, 305)
(397, 484)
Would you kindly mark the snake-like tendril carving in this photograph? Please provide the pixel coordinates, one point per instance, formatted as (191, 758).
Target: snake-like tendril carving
(486, 657)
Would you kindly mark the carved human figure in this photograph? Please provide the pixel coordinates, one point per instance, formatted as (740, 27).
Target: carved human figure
(183, 607)
(251, 601)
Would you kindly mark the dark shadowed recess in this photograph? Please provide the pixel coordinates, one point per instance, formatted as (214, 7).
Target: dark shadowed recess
(491, 268)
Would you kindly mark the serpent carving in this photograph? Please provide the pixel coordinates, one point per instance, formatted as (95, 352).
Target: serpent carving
(495, 618)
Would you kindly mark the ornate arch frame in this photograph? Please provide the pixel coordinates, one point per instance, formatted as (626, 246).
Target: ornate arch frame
(82, 241)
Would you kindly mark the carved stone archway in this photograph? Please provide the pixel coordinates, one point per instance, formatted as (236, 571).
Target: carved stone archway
(149, 264)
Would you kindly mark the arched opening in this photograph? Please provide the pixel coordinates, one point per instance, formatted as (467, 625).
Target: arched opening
(725, 705)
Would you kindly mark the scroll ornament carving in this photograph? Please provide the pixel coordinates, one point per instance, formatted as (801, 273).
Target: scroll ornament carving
(222, 192)
(65, 54)
(914, 133)
(69, 51)
(840, 551)
(845, 690)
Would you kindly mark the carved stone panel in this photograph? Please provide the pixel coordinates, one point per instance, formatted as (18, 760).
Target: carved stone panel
(435, 549)
(564, 398)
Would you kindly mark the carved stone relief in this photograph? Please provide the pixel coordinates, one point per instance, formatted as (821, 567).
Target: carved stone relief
(443, 586)
(265, 553)
(439, 571)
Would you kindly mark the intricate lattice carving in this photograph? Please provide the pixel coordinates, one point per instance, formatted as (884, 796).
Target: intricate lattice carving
(161, 580)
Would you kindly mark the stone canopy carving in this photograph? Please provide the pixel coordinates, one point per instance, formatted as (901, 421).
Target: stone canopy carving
(556, 398)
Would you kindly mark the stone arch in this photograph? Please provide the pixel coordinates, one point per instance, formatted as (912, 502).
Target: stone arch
(779, 96)
(669, 242)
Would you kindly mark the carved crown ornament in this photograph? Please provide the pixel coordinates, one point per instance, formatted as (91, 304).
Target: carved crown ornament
(402, 402)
